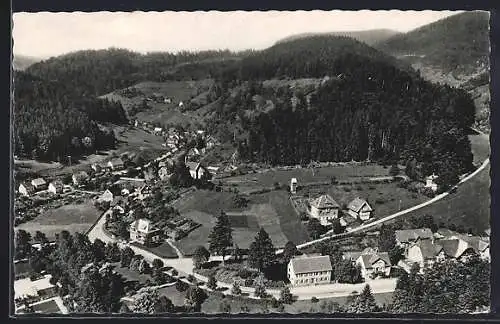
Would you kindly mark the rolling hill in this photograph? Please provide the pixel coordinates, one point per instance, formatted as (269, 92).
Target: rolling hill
(370, 37)
(455, 51)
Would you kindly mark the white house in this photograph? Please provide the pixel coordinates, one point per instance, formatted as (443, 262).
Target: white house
(39, 184)
(26, 189)
(309, 270)
(425, 253)
(181, 104)
(158, 130)
(429, 182)
(293, 186)
(405, 238)
(359, 208)
(116, 164)
(56, 187)
(80, 178)
(196, 170)
(213, 169)
(324, 208)
(107, 196)
(370, 262)
(143, 232)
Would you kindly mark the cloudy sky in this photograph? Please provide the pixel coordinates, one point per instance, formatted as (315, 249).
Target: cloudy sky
(47, 34)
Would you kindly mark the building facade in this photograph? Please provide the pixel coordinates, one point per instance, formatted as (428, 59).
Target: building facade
(142, 231)
(359, 209)
(324, 208)
(308, 271)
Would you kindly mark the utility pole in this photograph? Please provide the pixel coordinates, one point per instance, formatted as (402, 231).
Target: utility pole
(399, 209)
(69, 160)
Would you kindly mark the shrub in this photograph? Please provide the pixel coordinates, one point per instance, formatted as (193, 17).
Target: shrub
(380, 201)
(181, 286)
(274, 302)
(244, 273)
(249, 282)
(346, 189)
(314, 300)
(191, 278)
(175, 272)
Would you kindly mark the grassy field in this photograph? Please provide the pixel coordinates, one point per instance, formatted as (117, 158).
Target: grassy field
(211, 304)
(72, 218)
(163, 250)
(469, 206)
(272, 211)
(305, 175)
(173, 294)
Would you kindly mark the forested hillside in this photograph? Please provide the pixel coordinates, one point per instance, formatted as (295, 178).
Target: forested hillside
(369, 37)
(455, 51)
(459, 42)
(369, 109)
(51, 121)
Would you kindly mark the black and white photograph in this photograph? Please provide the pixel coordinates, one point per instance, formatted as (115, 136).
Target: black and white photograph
(228, 163)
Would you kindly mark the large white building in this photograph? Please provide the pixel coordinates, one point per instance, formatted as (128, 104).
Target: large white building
(324, 208)
(309, 270)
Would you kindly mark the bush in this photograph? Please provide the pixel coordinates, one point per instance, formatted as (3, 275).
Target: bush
(346, 189)
(175, 272)
(191, 278)
(314, 300)
(181, 286)
(380, 201)
(249, 282)
(244, 273)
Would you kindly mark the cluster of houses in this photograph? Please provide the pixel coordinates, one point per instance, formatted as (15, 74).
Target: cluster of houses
(325, 209)
(39, 185)
(145, 232)
(420, 246)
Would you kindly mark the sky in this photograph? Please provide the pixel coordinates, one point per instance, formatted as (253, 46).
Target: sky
(45, 34)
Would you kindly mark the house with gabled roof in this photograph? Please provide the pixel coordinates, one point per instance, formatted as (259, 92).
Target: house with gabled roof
(324, 208)
(39, 184)
(425, 253)
(309, 270)
(56, 187)
(370, 261)
(144, 232)
(26, 189)
(196, 170)
(116, 164)
(107, 196)
(359, 209)
(405, 238)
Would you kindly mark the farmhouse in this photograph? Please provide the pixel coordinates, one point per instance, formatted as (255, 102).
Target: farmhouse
(324, 208)
(360, 209)
(370, 261)
(39, 184)
(96, 167)
(158, 130)
(196, 170)
(309, 270)
(26, 189)
(56, 187)
(406, 237)
(80, 178)
(116, 164)
(429, 182)
(143, 232)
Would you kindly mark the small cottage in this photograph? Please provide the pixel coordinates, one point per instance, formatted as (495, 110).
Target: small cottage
(371, 262)
(142, 231)
(107, 196)
(80, 178)
(430, 182)
(359, 209)
(56, 187)
(39, 184)
(26, 189)
(406, 237)
(196, 170)
(324, 208)
(116, 164)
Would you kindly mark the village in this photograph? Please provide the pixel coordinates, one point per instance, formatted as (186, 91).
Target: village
(138, 205)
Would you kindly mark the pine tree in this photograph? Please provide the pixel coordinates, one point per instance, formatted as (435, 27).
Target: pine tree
(236, 290)
(289, 251)
(212, 282)
(261, 252)
(286, 296)
(364, 303)
(221, 237)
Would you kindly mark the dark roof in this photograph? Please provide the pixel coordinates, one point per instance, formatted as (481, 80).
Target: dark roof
(357, 204)
(311, 264)
(370, 258)
(409, 235)
(450, 247)
(324, 201)
(429, 250)
(446, 232)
